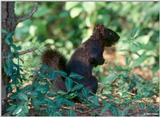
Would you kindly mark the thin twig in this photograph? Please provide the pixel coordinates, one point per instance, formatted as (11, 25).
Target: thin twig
(26, 51)
(75, 109)
(22, 52)
(29, 15)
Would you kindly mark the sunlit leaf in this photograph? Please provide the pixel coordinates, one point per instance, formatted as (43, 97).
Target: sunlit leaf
(75, 12)
(111, 77)
(70, 5)
(18, 110)
(135, 32)
(89, 6)
(139, 60)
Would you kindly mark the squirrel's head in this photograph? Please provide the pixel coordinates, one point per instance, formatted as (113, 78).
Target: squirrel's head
(108, 36)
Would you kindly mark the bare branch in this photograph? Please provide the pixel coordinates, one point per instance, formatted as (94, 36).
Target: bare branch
(29, 15)
(23, 52)
(27, 51)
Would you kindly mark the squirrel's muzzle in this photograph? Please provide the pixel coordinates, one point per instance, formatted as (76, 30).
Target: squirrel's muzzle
(111, 37)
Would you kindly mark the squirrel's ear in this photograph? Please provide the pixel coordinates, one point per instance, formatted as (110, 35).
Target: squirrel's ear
(100, 28)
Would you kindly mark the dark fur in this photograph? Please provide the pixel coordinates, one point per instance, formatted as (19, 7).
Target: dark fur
(90, 54)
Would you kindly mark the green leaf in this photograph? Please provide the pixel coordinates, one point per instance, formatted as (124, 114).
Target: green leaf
(70, 5)
(25, 109)
(52, 75)
(139, 60)
(89, 7)
(149, 46)
(111, 77)
(77, 87)
(61, 73)
(122, 68)
(42, 88)
(42, 11)
(18, 110)
(14, 95)
(141, 105)
(11, 108)
(68, 102)
(34, 94)
(57, 114)
(71, 95)
(27, 88)
(59, 101)
(16, 48)
(60, 92)
(114, 109)
(50, 102)
(9, 39)
(85, 92)
(68, 84)
(105, 108)
(71, 113)
(135, 32)
(22, 96)
(94, 100)
(75, 76)
(135, 47)
(127, 61)
(38, 101)
(51, 94)
(8, 67)
(75, 12)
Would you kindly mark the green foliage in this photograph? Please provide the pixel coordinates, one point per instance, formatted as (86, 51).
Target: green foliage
(46, 102)
(11, 65)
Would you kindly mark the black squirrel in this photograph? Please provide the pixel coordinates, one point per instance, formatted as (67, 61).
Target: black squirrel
(85, 57)
(90, 54)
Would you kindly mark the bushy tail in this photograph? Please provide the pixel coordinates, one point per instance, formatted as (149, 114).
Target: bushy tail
(54, 59)
(57, 61)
